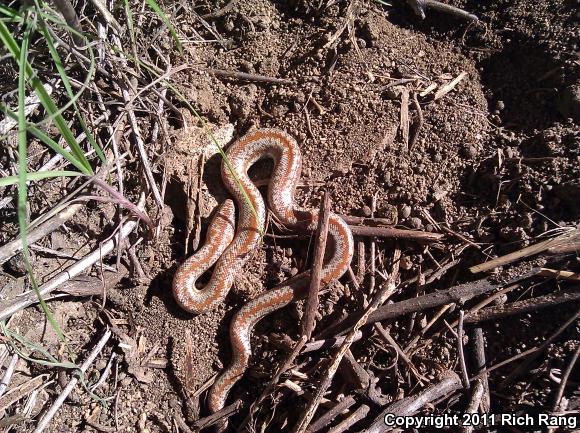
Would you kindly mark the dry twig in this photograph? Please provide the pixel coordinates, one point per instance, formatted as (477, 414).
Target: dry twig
(391, 232)
(567, 238)
(458, 294)
(45, 420)
(480, 364)
(319, 249)
(386, 291)
(72, 271)
(525, 306)
(5, 382)
(410, 405)
(248, 77)
(564, 381)
(11, 248)
(332, 413)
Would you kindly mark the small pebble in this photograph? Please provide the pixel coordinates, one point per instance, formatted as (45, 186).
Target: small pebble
(367, 211)
(416, 223)
(406, 263)
(405, 212)
(470, 151)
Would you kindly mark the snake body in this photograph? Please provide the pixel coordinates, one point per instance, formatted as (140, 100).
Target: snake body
(229, 252)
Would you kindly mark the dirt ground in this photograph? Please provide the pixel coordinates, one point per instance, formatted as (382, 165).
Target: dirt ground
(493, 163)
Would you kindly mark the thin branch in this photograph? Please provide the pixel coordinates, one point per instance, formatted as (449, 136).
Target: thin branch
(410, 405)
(386, 291)
(11, 248)
(319, 249)
(525, 306)
(45, 420)
(8, 374)
(9, 308)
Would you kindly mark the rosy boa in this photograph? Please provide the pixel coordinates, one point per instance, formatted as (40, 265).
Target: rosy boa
(230, 251)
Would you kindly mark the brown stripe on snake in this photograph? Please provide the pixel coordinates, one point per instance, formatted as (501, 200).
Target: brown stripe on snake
(283, 149)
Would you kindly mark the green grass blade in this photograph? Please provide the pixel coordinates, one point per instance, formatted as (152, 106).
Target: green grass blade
(44, 97)
(22, 191)
(10, 13)
(41, 175)
(8, 40)
(64, 76)
(153, 5)
(130, 24)
(42, 136)
(49, 361)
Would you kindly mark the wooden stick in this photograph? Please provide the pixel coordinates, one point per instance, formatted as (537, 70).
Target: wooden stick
(564, 381)
(5, 382)
(319, 249)
(525, 306)
(472, 407)
(214, 418)
(531, 354)
(386, 291)
(458, 294)
(560, 275)
(479, 360)
(352, 419)
(247, 77)
(327, 418)
(418, 123)
(11, 248)
(559, 241)
(402, 355)
(43, 423)
(464, 376)
(391, 232)
(404, 118)
(410, 405)
(72, 271)
(366, 221)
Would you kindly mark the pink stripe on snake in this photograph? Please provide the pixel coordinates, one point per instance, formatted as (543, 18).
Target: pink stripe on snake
(230, 255)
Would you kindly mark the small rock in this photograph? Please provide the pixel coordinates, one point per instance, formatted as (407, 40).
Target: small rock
(16, 265)
(569, 102)
(405, 212)
(470, 151)
(367, 212)
(387, 178)
(406, 263)
(416, 223)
